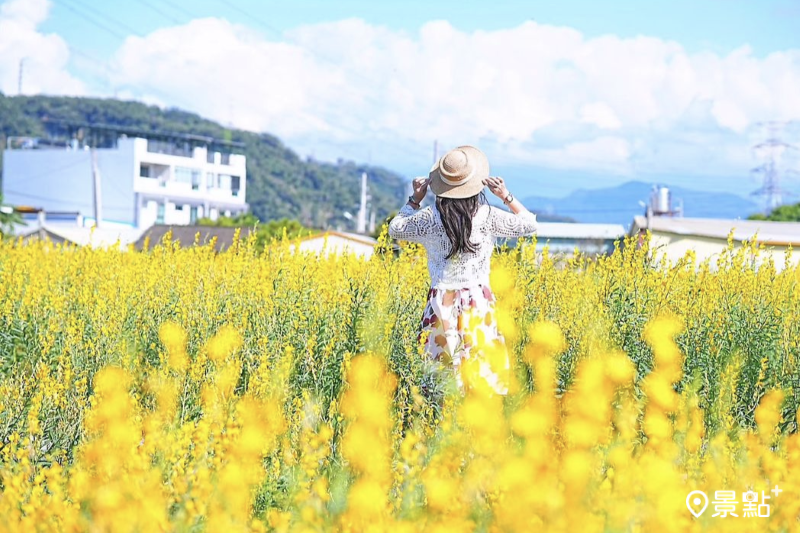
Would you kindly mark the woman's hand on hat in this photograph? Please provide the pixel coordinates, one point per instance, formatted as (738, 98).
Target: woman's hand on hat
(497, 186)
(420, 186)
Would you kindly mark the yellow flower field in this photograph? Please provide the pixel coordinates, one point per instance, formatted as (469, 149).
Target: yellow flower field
(259, 390)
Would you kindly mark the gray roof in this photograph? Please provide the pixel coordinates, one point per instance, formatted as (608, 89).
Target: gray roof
(578, 231)
(776, 233)
(186, 235)
(84, 236)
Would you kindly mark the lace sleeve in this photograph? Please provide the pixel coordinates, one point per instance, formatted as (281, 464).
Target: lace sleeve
(411, 225)
(505, 224)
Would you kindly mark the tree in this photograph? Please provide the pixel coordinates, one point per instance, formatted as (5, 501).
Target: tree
(379, 227)
(238, 221)
(265, 232)
(8, 218)
(783, 213)
(280, 185)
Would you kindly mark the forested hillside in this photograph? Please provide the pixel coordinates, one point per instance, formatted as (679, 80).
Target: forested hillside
(279, 183)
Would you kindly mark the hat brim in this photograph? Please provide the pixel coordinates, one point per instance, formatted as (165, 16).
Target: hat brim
(470, 187)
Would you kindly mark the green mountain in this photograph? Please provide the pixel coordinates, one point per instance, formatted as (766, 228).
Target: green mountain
(279, 183)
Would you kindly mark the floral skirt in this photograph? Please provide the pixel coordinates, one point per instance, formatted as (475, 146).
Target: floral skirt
(460, 326)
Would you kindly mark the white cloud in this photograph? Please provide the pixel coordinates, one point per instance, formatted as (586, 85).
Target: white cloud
(546, 88)
(601, 154)
(535, 93)
(25, 12)
(601, 115)
(229, 73)
(44, 56)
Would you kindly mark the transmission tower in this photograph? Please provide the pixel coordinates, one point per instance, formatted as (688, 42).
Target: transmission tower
(771, 151)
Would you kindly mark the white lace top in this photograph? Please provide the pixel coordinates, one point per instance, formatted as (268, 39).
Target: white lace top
(462, 270)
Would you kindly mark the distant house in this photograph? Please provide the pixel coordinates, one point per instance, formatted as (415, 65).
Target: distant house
(65, 229)
(564, 237)
(338, 242)
(141, 179)
(186, 235)
(708, 237)
(82, 236)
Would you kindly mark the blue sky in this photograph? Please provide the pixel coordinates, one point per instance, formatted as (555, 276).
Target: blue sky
(561, 95)
(717, 25)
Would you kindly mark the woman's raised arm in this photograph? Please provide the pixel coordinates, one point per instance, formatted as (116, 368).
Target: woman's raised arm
(502, 224)
(412, 223)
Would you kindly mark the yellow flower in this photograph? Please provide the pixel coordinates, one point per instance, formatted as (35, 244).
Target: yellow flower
(768, 412)
(546, 341)
(223, 344)
(619, 368)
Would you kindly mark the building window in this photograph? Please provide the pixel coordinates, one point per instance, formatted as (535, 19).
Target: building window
(183, 175)
(225, 159)
(210, 156)
(160, 213)
(195, 180)
(225, 182)
(144, 171)
(179, 207)
(235, 185)
(193, 214)
(210, 180)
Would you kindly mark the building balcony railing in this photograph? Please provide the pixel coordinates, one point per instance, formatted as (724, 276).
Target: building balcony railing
(182, 188)
(169, 148)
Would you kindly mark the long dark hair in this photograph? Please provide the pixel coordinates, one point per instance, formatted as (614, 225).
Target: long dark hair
(456, 215)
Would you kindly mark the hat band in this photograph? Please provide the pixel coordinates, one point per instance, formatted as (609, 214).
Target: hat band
(456, 182)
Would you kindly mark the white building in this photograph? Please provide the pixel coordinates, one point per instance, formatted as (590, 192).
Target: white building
(337, 242)
(104, 237)
(708, 237)
(142, 181)
(565, 237)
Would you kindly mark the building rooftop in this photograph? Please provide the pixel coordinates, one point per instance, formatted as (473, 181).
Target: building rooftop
(84, 236)
(71, 126)
(577, 231)
(356, 237)
(186, 235)
(769, 232)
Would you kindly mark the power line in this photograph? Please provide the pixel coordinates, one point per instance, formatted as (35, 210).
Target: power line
(102, 25)
(304, 117)
(771, 149)
(419, 150)
(50, 172)
(112, 20)
(55, 170)
(279, 33)
(92, 20)
(159, 11)
(178, 8)
(51, 199)
(89, 57)
(104, 75)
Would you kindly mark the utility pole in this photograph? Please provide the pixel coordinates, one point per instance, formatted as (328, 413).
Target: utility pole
(435, 151)
(362, 211)
(19, 79)
(98, 203)
(771, 151)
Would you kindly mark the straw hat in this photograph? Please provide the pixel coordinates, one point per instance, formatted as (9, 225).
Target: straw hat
(459, 173)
